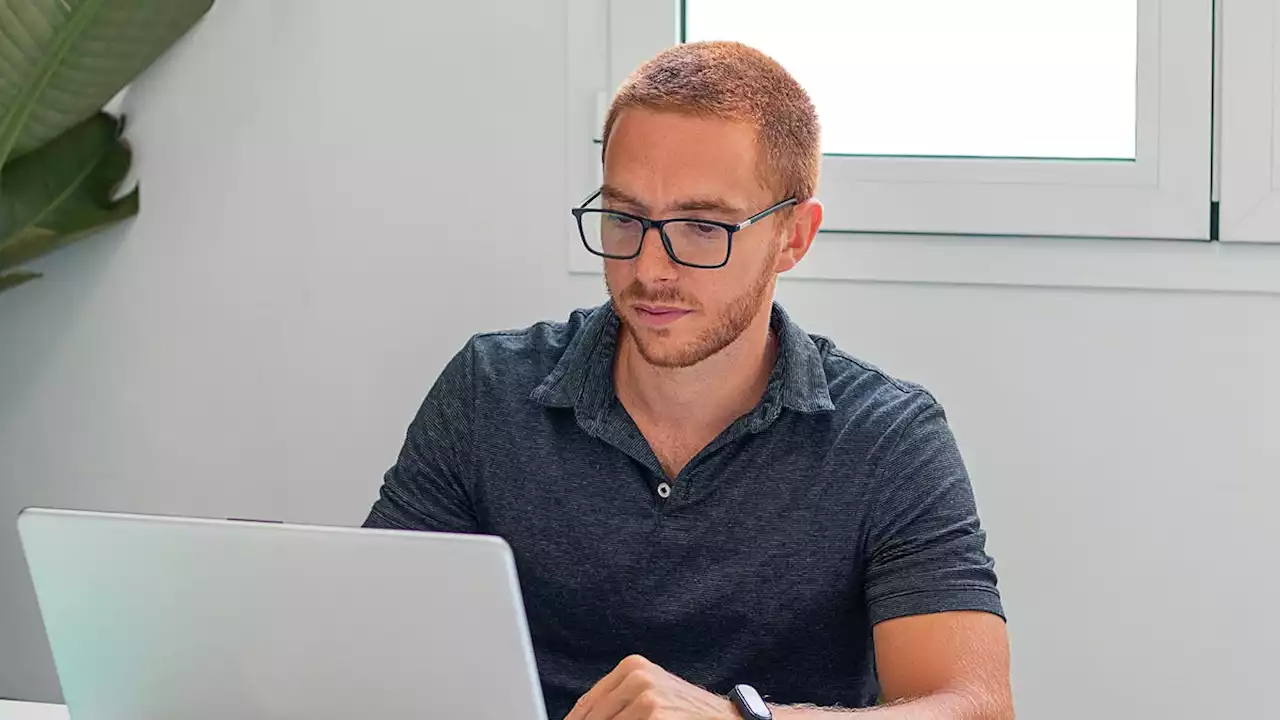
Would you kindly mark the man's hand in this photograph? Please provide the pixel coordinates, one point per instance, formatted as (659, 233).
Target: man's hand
(639, 690)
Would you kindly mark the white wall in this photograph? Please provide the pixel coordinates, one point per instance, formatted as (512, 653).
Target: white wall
(1124, 448)
(320, 231)
(334, 198)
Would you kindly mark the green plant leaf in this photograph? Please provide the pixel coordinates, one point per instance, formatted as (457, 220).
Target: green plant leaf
(53, 196)
(62, 60)
(13, 280)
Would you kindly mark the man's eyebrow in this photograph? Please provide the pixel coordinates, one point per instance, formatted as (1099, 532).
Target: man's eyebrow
(613, 194)
(713, 204)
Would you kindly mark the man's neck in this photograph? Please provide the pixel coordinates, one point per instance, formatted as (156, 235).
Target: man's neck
(707, 396)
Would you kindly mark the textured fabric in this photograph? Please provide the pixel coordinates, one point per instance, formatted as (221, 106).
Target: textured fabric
(839, 502)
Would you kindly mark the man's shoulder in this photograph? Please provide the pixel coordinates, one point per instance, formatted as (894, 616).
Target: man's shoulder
(546, 337)
(525, 356)
(860, 388)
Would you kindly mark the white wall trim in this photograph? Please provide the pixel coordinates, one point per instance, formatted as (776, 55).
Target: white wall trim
(1178, 265)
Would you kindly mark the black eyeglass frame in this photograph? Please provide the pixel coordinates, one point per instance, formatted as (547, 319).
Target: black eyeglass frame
(647, 223)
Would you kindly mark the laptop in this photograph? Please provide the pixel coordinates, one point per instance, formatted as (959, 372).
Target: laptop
(157, 618)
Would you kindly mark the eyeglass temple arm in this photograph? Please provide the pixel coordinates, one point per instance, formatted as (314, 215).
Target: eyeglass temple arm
(593, 196)
(762, 214)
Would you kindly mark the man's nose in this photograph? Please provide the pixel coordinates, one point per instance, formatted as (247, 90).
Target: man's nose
(653, 264)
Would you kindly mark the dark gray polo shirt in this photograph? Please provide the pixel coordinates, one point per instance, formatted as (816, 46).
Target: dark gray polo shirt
(839, 502)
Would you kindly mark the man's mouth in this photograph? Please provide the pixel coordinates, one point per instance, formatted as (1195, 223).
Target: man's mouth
(659, 315)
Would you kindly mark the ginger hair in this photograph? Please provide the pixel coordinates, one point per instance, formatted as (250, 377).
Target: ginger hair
(734, 82)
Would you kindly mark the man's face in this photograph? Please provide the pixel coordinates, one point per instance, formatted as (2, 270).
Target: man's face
(664, 165)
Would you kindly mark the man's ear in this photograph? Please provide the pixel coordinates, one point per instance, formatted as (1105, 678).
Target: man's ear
(799, 231)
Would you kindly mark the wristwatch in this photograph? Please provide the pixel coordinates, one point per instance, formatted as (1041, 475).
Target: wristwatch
(749, 703)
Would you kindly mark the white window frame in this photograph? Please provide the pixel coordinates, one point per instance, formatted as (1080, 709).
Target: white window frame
(1250, 121)
(1163, 193)
(596, 63)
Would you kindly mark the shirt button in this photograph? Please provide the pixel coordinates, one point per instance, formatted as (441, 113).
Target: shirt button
(664, 491)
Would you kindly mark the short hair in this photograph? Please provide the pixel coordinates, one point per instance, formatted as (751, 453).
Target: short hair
(736, 82)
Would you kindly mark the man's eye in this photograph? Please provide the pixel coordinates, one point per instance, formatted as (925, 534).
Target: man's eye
(705, 229)
(619, 221)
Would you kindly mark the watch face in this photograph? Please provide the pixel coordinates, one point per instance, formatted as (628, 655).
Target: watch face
(750, 703)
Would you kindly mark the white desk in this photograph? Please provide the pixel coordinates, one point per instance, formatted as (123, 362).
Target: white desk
(12, 710)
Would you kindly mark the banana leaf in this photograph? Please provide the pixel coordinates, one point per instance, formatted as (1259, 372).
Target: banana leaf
(13, 280)
(62, 60)
(62, 158)
(53, 196)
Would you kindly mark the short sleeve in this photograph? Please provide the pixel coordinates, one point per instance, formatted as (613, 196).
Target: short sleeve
(429, 486)
(927, 545)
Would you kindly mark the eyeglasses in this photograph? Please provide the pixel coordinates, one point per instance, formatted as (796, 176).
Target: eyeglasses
(689, 241)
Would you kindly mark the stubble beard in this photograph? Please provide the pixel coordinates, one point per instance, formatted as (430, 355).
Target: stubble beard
(727, 328)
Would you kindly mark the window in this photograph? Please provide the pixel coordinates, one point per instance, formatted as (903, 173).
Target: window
(934, 77)
(1250, 123)
(1139, 70)
(1039, 142)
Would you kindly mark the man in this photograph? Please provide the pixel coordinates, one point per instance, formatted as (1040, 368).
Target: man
(687, 479)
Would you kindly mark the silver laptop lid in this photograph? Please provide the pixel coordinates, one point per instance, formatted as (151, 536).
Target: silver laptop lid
(153, 618)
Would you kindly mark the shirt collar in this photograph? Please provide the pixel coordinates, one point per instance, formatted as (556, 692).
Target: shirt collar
(583, 378)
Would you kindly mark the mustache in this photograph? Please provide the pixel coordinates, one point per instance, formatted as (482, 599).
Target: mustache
(636, 291)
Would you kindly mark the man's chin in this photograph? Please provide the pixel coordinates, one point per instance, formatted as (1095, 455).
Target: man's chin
(666, 349)
(668, 361)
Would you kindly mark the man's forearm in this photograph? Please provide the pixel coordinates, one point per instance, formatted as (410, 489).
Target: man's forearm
(939, 706)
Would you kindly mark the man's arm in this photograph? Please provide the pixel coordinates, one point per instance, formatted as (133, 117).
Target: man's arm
(429, 486)
(941, 646)
(943, 666)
